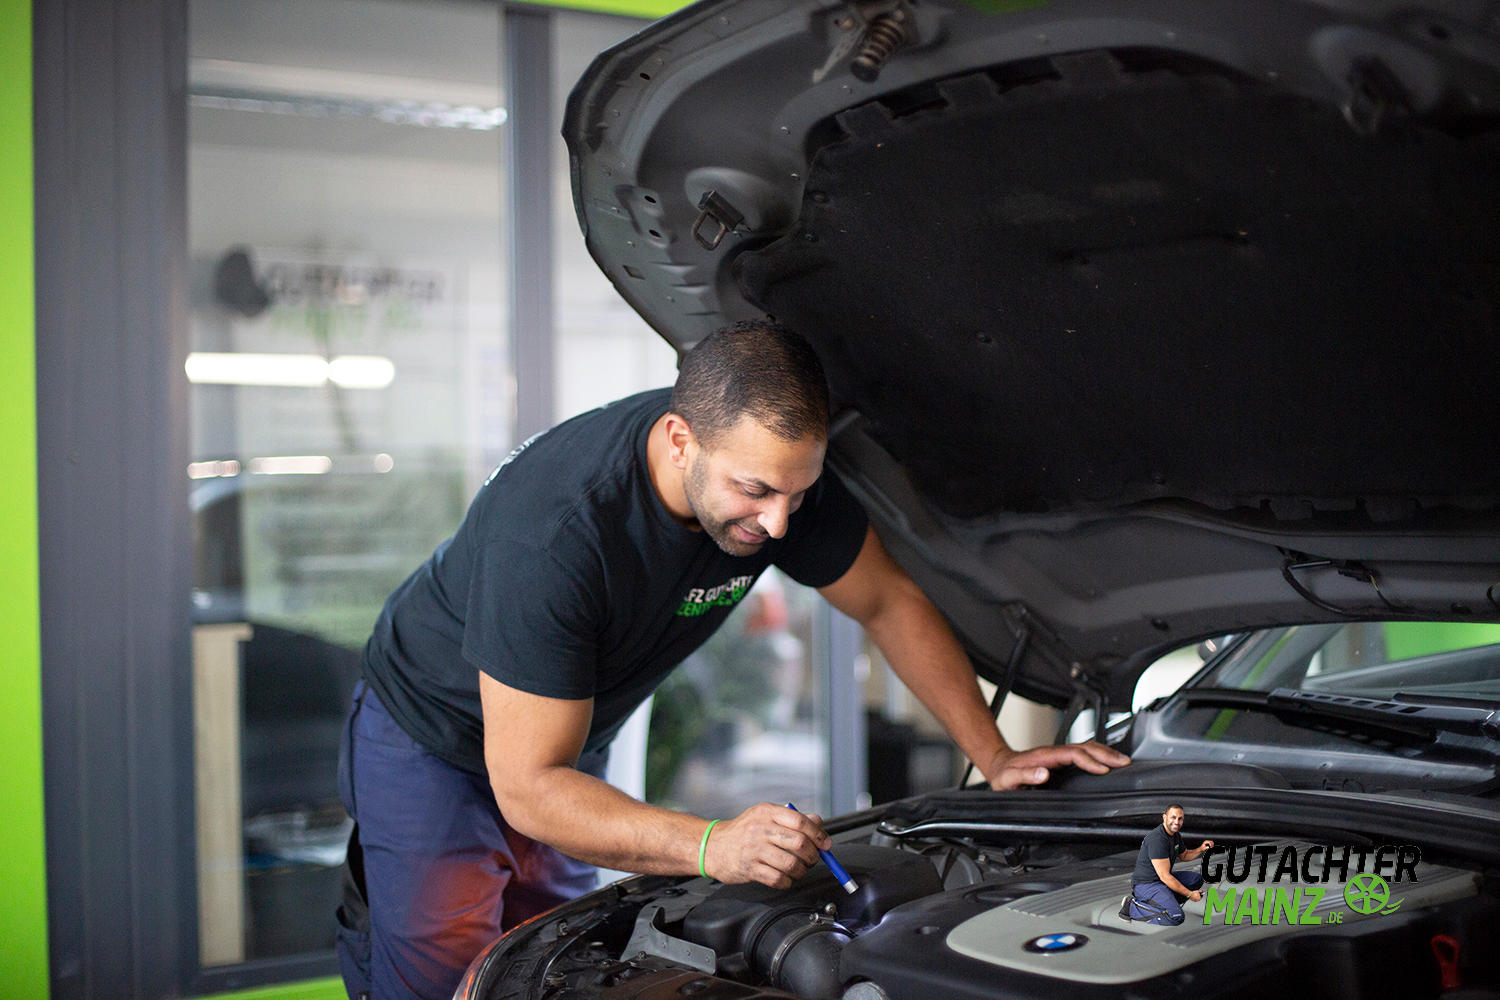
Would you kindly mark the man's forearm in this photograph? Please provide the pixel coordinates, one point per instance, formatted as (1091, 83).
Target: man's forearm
(926, 656)
(1172, 883)
(588, 819)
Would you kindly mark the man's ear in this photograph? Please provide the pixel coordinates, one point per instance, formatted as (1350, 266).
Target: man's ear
(679, 437)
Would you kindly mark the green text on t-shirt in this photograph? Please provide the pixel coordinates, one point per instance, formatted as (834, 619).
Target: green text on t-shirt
(700, 600)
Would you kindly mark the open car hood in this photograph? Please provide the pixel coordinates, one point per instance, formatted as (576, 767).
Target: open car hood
(1143, 322)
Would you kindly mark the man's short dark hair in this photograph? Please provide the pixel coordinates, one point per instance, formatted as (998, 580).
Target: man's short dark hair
(756, 368)
(1174, 806)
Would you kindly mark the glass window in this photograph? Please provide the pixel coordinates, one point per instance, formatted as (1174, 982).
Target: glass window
(908, 752)
(1359, 654)
(350, 390)
(1371, 660)
(1356, 688)
(742, 720)
(1167, 674)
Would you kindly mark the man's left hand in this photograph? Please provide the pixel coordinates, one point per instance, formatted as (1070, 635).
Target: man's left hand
(1011, 769)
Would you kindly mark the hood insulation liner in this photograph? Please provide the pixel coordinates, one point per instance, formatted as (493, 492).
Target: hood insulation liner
(1116, 277)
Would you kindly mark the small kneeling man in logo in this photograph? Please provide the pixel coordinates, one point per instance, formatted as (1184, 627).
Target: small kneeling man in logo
(1157, 892)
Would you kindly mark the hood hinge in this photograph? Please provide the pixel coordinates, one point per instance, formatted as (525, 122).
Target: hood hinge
(872, 30)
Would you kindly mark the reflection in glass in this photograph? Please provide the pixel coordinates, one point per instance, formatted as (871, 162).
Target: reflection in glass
(349, 391)
(740, 721)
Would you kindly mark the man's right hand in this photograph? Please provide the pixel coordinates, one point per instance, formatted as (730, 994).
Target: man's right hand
(1011, 769)
(766, 843)
(1196, 895)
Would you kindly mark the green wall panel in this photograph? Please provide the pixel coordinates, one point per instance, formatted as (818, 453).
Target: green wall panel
(312, 989)
(628, 8)
(1405, 640)
(23, 886)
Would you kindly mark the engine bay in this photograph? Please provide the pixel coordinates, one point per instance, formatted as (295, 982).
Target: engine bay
(986, 916)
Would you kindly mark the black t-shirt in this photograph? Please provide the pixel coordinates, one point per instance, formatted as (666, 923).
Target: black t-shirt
(1158, 844)
(568, 578)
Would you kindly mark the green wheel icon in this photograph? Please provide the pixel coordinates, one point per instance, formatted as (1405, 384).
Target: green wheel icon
(1367, 893)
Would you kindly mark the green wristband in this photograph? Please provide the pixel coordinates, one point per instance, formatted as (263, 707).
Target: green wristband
(703, 848)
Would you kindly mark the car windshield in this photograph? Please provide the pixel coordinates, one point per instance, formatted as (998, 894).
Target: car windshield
(1361, 705)
(1415, 659)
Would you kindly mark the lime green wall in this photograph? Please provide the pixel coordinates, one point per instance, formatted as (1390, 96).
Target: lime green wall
(23, 879)
(628, 8)
(1405, 640)
(312, 989)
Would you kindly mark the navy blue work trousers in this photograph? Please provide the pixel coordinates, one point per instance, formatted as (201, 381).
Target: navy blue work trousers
(1154, 903)
(444, 875)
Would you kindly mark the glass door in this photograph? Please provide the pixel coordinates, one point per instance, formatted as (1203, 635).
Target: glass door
(350, 390)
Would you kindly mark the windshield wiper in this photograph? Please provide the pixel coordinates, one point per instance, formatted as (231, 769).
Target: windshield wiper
(1412, 716)
(1433, 718)
(1455, 701)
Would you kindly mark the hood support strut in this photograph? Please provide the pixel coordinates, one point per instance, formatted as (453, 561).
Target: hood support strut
(1087, 693)
(1012, 665)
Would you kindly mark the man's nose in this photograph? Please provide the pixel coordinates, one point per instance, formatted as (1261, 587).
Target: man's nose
(774, 515)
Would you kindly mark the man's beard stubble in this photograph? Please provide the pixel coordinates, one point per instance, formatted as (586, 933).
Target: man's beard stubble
(695, 485)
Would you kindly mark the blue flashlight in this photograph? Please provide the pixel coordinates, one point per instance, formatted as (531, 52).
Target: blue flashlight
(833, 865)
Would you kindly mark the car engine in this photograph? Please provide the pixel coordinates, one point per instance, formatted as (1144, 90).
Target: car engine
(958, 917)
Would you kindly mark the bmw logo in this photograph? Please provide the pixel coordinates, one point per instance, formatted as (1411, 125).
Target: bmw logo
(1049, 944)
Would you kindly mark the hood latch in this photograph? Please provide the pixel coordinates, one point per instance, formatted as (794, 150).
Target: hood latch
(716, 208)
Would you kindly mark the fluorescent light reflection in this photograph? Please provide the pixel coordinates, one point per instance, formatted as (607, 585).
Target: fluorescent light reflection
(256, 369)
(431, 114)
(361, 371)
(319, 92)
(209, 470)
(291, 465)
(348, 371)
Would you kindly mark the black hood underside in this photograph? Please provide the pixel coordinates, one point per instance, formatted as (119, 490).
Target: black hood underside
(1124, 276)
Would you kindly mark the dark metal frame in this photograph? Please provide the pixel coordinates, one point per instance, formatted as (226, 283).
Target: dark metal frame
(110, 118)
(837, 638)
(528, 92)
